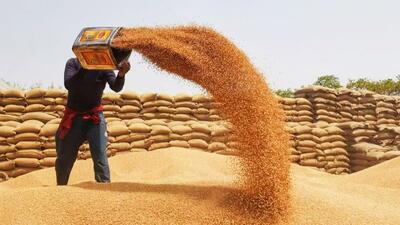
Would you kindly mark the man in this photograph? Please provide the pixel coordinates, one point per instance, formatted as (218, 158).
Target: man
(83, 118)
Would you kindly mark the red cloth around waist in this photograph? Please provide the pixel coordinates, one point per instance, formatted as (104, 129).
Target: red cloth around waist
(69, 116)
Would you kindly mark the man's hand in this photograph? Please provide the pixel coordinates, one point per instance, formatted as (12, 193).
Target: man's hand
(124, 67)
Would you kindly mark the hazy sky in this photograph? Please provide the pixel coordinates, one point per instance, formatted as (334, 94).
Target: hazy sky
(291, 42)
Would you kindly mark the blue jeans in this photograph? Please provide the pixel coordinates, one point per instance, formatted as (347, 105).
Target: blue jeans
(67, 149)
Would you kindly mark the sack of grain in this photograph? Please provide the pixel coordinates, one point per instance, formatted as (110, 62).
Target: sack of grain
(35, 93)
(27, 137)
(129, 109)
(117, 129)
(139, 128)
(34, 108)
(147, 97)
(187, 104)
(7, 165)
(128, 116)
(168, 110)
(49, 129)
(160, 145)
(198, 143)
(307, 143)
(136, 103)
(29, 126)
(180, 143)
(20, 171)
(160, 129)
(179, 137)
(181, 129)
(197, 135)
(203, 128)
(155, 122)
(129, 95)
(306, 156)
(48, 161)
(50, 153)
(138, 136)
(390, 155)
(335, 152)
(122, 146)
(202, 111)
(28, 145)
(43, 117)
(13, 93)
(112, 108)
(7, 131)
(159, 138)
(13, 108)
(139, 144)
(27, 162)
(165, 97)
(216, 146)
(6, 148)
(182, 97)
(111, 98)
(29, 153)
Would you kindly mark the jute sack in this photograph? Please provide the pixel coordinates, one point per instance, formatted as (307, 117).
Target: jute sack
(160, 103)
(129, 95)
(43, 117)
(48, 161)
(136, 103)
(27, 137)
(183, 110)
(197, 135)
(30, 153)
(181, 97)
(28, 145)
(160, 129)
(181, 129)
(13, 93)
(50, 153)
(160, 145)
(309, 162)
(303, 108)
(337, 164)
(305, 156)
(20, 171)
(359, 162)
(127, 116)
(303, 101)
(139, 128)
(49, 130)
(186, 104)
(336, 151)
(166, 97)
(132, 121)
(179, 143)
(112, 108)
(7, 131)
(160, 138)
(34, 108)
(367, 147)
(7, 165)
(55, 93)
(147, 97)
(203, 117)
(14, 108)
(332, 138)
(219, 130)
(198, 143)
(27, 162)
(179, 137)
(216, 146)
(61, 101)
(6, 148)
(163, 116)
(49, 145)
(200, 98)
(201, 111)
(10, 124)
(111, 98)
(122, 146)
(294, 158)
(156, 122)
(117, 129)
(343, 158)
(390, 155)
(139, 136)
(35, 93)
(12, 101)
(305, 149)
(139, 144)
(306, 143)
(129, 109)
(303, 129)
(164, 109)
(181, 117)
(203, 128)
(319, 132)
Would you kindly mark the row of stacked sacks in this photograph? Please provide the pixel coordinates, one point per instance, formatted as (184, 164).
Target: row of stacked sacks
(320, 146)
(148, 135)
(324, 103)
(364, 155)
(15, 103)
(27, 146)
(358, 106)
(386, 110)
(181, 107)
(297, 110)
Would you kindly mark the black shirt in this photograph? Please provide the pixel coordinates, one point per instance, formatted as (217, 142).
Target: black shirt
(85, 87)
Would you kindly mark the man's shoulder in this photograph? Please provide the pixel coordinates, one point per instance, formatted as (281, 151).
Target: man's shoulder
(72, 61)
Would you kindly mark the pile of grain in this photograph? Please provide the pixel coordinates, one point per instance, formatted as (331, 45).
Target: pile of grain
(207, 58)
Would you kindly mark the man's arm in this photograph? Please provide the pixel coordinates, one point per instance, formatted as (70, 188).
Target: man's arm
(116, 83)
(72, 73)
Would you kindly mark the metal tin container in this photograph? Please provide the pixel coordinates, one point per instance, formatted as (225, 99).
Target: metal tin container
(93, 49)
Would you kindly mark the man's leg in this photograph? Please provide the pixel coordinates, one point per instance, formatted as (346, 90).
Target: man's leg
(97, 137)
(67, 150)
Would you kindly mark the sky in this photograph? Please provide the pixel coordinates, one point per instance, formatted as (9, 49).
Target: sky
(290, 42)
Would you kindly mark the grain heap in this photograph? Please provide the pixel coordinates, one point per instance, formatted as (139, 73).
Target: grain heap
(205, 57)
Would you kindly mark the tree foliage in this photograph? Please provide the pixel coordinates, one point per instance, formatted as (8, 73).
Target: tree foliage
(330, 81)
(385, 87)
(285, 93)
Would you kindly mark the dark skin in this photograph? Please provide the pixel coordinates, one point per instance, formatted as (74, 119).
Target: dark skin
(123, 67)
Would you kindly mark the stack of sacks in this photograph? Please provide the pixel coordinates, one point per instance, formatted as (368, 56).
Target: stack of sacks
(223, 140)
(7, 131)
(111, 102)
(397, 99)
(200, 138)
(334, 146)
(294, 154)
(386, 110)
(347, 99)
(388, 135)
(164, 106)
(149, 110)
(364, 155)
(28, 148)
(12, 100)
(139, 134)
(184, 108)
(119, 137)
(130, 105)
(179, 134)
(304, 110)
(41, 100)
(47, 137)
(289, 107)
(159, 135)
(358, 131)
(366, 107)
(202, 112)
(306, 144)
(215, 114)
(324, 101)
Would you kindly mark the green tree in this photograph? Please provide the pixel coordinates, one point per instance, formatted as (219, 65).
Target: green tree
(330, 81)
(385, 87)
(285, 93)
